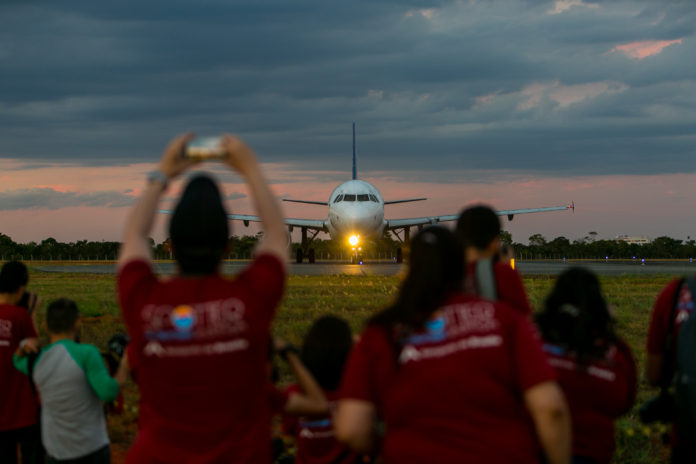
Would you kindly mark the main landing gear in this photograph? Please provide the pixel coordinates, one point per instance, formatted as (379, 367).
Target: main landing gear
(299, 255)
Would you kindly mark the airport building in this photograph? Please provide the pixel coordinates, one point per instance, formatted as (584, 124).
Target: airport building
(632, 240)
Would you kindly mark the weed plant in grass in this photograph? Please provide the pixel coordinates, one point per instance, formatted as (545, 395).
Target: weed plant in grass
(356, 298)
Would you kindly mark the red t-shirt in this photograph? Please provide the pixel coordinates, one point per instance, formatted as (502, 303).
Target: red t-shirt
(201, 347)
(508, 284)
(597, 394)
(315, 436)
(454, 392)
(18, 403)
(659, 323)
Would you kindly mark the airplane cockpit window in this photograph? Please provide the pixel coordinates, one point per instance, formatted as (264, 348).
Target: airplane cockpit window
(373, 198)
(338, 198)
(348, 197)
(364, 197)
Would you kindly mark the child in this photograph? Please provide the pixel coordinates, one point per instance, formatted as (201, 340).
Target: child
(324, 353)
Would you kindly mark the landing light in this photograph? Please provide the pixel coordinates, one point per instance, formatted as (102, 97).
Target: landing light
(354, 239)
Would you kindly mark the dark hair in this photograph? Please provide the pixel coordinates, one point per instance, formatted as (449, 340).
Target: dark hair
(478, 226)
(576, 316)
(325, 350)
(13, 275)
(61, 315)
(199, 229)
(436, 270)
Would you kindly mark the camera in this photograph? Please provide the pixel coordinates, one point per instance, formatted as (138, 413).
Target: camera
(205, 148)
(658, 409)
(116, 347)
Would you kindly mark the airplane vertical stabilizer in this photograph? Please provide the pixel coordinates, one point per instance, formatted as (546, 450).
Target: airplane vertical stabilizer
(355, 169)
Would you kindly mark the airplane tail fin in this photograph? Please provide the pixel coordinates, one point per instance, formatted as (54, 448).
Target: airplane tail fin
(355, 169)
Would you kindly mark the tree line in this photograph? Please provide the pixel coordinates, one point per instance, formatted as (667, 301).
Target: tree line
(589, 247)
(241, 247)
(238, 248)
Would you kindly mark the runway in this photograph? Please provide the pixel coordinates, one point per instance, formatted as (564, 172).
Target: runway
(390, 269)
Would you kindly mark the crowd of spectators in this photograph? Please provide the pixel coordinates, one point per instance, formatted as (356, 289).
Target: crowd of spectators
(457, 369)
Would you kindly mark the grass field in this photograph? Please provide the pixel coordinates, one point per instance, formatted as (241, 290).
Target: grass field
(355, 298)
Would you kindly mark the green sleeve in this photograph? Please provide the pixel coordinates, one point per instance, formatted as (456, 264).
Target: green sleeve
(98, 376)
(22, 364)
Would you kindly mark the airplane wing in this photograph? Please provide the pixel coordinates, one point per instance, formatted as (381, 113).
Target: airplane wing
(313, 224)
(323, 203)
(392, 202)
(510, 213)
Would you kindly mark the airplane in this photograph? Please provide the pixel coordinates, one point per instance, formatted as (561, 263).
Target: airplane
(356, 215)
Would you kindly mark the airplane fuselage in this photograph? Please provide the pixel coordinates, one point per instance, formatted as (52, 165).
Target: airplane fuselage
(356, 209)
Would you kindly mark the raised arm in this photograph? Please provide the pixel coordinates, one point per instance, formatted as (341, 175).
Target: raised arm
(136, 243)
(241, 158)
(312, 400)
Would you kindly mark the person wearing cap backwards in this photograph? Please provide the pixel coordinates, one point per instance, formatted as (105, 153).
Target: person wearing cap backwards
(199, 340)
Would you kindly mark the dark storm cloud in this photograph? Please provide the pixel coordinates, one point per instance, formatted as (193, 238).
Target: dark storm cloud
(47, 198)
(450, 85)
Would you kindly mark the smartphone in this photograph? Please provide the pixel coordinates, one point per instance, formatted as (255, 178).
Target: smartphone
(205, 148)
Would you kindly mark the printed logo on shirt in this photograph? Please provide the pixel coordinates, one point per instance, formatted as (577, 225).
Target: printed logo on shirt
(412, 353)
(435, 331)
(183, 318)
(685, 305)
(210, 319)
(155, 348)
(5, 328)
(463, 318)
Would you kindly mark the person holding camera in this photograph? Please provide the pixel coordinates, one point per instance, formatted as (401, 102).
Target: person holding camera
(489, 274)
(595, 368)
(455, 378)
(18, 409)
(74, 384)
(670, 349)
(200, 341)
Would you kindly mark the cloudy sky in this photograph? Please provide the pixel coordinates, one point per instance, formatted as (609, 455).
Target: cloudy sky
(510, 102)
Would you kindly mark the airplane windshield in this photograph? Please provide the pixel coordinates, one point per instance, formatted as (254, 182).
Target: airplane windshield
(373, 198)
(348, 197)
(338, 198)
(364, 197)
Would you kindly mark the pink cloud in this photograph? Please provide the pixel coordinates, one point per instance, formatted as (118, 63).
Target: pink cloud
(645, 48)
(57, 187)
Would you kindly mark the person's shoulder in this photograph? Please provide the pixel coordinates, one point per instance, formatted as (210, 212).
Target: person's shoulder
(269, 260)
(136, 265)
(505, 270)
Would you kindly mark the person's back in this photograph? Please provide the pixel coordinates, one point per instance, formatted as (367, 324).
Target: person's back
(595, 368)
(200, 341)
(455, 377)
(202, 353)
(673, 307)
(478, 228)
(455, 390)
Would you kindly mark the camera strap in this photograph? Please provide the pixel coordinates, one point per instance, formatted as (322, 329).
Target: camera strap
(669, 352)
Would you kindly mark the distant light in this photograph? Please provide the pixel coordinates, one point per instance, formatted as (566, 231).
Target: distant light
(359, 249)
(354, 239)
(634, 258)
